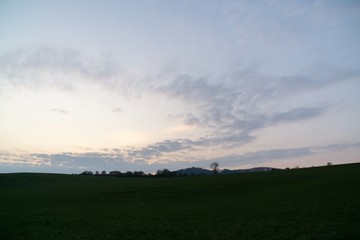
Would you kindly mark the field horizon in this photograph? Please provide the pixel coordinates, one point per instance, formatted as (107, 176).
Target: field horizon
(309, 203)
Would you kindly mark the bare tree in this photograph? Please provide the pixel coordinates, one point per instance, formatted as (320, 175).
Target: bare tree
(215, 167)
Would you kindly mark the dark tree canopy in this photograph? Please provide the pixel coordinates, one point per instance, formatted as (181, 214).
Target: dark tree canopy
(215, 167)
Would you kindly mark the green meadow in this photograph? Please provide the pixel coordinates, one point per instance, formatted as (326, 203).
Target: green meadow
(312, 203)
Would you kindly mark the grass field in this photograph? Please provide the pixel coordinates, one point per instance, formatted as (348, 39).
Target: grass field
(315, 203)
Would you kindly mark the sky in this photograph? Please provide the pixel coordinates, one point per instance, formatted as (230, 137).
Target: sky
(138, 85)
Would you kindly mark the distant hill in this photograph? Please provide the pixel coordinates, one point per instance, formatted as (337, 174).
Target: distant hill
(203, 171)
(193, 171)
(250, 170)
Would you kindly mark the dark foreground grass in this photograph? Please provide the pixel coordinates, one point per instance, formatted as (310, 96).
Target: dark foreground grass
(316, 203)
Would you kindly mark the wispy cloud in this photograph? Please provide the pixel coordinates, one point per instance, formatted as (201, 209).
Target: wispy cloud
(56, 66)
(229, 108)
(296, 114)
(117, 109)
(158, 149)
(8, 158)
(88, 160)
(59, 110)
(263, 156)
(245, 102)
(125, 159)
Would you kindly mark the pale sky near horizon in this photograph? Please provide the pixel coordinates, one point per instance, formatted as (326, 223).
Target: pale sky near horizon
(146, 85)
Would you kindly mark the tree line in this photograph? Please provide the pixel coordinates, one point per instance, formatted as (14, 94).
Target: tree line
(159, 173)
(214, 169)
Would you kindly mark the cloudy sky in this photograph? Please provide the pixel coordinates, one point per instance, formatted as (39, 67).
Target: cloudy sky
(145, 85)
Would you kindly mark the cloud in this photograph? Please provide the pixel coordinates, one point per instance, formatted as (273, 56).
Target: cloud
(234, 108)
(263, 156)
(190, 119)
(158, 149)
(177, 149)
(124, 160)
(337, 147)
(7, 158)
(229, 109)
(87, 160)
(296, 114)
(59, 110)
(117, 109)
(56, 66)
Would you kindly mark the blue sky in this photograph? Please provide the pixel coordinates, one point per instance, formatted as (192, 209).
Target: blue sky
(144, 85)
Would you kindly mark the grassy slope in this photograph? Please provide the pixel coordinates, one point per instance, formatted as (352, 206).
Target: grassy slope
(316, 203)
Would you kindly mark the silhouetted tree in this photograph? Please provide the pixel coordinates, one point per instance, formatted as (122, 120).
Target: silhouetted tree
(115, 173)
(87, 173)
(128, 174)
(103, 173)
(215, 167)
(164, 173)
(138, 174)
